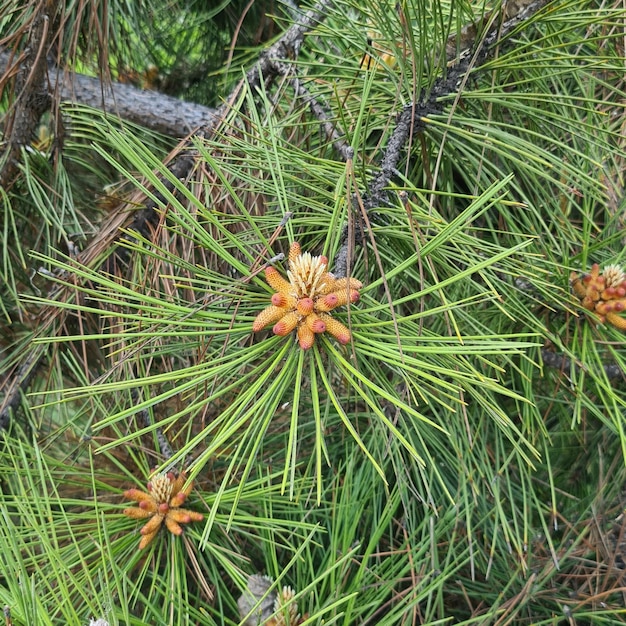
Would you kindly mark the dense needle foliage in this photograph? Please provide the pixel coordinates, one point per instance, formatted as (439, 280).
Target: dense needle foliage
(461, 460)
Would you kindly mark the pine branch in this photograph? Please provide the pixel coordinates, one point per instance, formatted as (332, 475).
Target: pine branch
(411, 120)
(16, 384)
(153, 110)
(164, 445)
(150, 109)
(271, 64)
(274, 61)
(323, 116)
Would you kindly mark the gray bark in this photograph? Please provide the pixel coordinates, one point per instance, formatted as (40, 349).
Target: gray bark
(153, 110)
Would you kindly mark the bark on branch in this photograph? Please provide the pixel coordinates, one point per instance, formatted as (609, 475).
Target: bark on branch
(153, 110)
(410, 120)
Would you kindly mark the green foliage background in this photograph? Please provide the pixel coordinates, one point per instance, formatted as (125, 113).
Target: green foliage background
(433, 471)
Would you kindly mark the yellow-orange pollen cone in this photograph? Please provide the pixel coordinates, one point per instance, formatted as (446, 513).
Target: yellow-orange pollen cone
(302, 302)
(161, 504)
(603, 293)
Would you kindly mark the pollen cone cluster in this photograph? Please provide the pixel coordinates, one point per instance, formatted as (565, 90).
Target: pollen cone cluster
(285, 609)
(160, 504)
(262, 607)
(604, 293)
(303, 302)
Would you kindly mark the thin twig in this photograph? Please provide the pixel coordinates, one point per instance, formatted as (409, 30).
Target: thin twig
(272, 60)
(410, 120)
(16, 384)
(562, 362)
(164, 445)
(323, 116)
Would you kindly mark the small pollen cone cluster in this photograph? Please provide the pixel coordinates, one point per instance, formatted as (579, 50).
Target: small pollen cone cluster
(303, 302)
(285, 609)
(160, 504)
(604, 293)
(268, 608)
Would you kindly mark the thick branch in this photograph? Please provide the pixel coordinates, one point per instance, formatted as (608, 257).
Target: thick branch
(153, 110)
(150, 109)
(156, 111)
